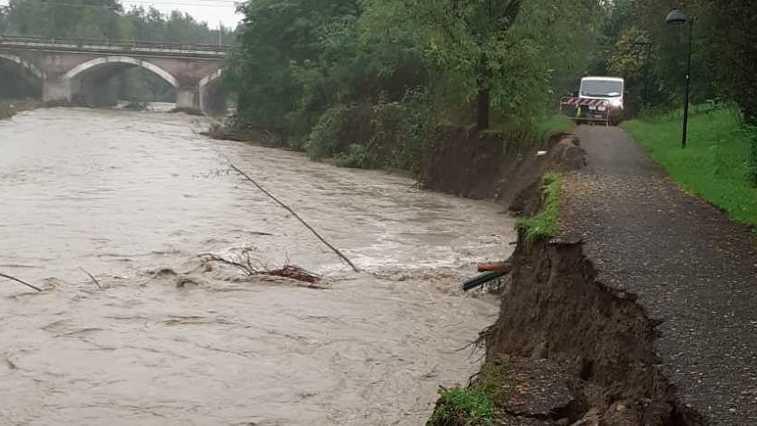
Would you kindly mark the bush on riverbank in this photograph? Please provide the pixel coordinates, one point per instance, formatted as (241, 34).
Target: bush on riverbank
(383, 135)
(719, 162)
(364, 82)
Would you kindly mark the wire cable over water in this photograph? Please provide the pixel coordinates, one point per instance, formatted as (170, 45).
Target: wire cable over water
(290, 210)
(20, 282)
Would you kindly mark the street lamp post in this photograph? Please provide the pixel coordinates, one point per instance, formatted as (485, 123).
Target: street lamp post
(677, 17)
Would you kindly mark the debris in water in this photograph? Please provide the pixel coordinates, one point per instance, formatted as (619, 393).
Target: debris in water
(295, 273)
(245, 262)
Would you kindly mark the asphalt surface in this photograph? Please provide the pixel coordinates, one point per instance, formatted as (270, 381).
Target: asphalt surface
(688, 264)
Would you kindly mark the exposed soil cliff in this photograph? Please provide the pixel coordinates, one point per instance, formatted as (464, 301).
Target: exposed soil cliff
(578, 351)
(486, 165)
(555, 311)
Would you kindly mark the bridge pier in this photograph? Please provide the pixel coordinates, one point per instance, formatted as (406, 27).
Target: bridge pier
(187, 98)
(56, 90)
(67, 71)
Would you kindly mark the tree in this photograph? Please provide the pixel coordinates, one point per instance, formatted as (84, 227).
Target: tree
(279, 57)
(499, 53)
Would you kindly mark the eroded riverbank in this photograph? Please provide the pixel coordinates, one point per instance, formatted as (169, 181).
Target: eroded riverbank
(123, 195)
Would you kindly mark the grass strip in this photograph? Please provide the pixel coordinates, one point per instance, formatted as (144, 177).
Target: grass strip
(545, 224)
(716, 164)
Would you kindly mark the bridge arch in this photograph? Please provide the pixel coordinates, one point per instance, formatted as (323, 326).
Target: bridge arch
(26, 79)
(210, 79)
(80, 69)
(31, 68)
(208, 97)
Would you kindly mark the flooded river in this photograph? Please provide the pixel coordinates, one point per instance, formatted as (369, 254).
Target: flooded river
(164, 338)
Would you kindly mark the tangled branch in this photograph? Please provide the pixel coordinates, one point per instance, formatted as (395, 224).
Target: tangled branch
(248, 265)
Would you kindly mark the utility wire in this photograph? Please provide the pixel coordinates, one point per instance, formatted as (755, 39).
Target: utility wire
(20, 281)
(290, 210)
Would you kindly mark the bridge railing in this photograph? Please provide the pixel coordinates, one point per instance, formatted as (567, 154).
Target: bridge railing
(32, 41)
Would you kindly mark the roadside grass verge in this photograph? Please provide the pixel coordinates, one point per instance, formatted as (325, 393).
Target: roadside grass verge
(545, 224)
(716, 162)
(554, 124)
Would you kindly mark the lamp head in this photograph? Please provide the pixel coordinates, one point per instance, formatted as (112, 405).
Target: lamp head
(676, 17)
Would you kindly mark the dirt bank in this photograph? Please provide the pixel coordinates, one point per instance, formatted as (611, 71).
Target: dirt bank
(487, 165)
(578, 351)
(602, 342)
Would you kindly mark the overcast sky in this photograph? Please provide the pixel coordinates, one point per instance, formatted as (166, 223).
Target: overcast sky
(210, 11)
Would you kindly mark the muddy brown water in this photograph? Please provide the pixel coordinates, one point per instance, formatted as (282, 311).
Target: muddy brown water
(134, 198)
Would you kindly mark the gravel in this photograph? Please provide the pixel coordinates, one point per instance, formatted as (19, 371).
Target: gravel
(691, 268)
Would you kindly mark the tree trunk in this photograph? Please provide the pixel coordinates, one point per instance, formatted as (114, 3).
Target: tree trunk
(483, 107)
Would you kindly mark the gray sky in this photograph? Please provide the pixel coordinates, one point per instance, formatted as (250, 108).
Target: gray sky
(210, 11)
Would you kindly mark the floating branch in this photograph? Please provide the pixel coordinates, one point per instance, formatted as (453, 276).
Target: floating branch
(92, 277)
(245, 263)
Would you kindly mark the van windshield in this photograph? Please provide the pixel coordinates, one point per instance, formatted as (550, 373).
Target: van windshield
(601, 88)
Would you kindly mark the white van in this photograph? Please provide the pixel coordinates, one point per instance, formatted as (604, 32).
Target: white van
(605, 88)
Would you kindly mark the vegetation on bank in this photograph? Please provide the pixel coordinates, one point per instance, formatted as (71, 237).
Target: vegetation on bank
(719, 163)
(462, 406)
(476, 404)
(556, 123)
(546, 223)
(368, 82)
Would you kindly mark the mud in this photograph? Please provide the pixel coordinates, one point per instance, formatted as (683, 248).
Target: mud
(598, 341)
(136, 198)
(555, 310)
(487, 165)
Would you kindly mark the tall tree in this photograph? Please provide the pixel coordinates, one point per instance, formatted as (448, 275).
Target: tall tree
(500, 51)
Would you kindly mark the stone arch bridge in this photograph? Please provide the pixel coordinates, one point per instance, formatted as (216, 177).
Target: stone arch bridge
(67, 70)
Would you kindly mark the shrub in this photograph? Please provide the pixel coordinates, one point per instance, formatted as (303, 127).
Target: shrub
(399, 132)
(324, 139)
(356, 157)
(381, 135)
(462, 407)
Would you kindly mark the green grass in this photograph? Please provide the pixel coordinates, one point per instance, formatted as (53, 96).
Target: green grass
(545, 224)
(715, 164)
(554, 124)
(463, 407)
(475, 405)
